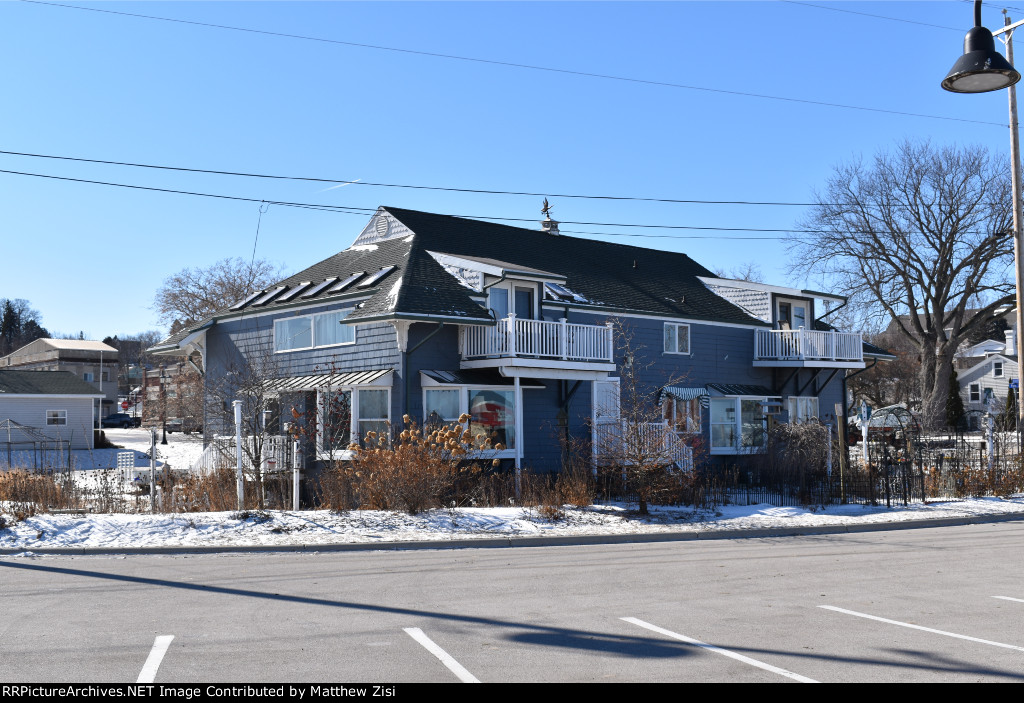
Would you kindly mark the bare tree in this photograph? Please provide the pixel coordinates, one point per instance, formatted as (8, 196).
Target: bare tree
(195, 293)
(638, 444)
(923, 234)
(747, 271)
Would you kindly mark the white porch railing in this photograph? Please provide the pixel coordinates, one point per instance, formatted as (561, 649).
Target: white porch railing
(276, 454)
(652, 441)
(807, 345)
(538, 339)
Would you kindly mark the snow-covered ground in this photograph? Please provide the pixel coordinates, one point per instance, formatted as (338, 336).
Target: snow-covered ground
(312, 528)
(320, 527)
(180, 451)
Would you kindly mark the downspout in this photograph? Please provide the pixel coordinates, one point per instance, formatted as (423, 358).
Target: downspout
(405, 363)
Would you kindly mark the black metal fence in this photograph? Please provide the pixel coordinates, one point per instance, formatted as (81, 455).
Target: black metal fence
(896, 469)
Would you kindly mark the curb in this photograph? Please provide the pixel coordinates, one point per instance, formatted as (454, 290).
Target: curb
(506, 542)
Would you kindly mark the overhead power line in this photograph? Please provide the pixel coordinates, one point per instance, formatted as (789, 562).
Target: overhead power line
(404, 185)
(512, 64)
(352, 210)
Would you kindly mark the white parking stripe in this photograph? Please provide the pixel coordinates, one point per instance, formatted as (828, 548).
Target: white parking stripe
(156, 655)
(924, 629)
(719, 650)
(446, 659)
(1015, 600)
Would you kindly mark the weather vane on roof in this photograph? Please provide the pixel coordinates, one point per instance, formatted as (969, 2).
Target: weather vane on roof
(546, 210)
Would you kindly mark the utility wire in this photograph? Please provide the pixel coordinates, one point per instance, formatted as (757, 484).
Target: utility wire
(352, 210)
(880, 17)
(532, 67)
(403, 185)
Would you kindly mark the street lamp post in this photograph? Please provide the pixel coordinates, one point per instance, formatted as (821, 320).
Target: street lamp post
(980, 70)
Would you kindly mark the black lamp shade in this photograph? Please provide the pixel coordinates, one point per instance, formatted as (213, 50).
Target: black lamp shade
(981, 69)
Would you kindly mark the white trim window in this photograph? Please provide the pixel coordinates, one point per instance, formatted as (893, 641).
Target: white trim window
(347, 415)
(56, 417)
(677, 338)
(323, 329)
(491, 410)
(975, 392)
(802, 408)
(997, 369)
(737, 424)
(88, 376)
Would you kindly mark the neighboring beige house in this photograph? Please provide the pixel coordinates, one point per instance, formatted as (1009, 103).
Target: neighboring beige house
(91, 361)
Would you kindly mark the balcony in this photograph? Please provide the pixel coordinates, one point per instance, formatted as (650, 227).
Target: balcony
(539, 348)
(808, 348)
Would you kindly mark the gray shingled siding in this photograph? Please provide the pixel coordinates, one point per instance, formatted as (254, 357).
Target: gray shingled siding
(719, 354)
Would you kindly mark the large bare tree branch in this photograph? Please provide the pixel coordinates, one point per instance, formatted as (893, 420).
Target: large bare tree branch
(923, 234)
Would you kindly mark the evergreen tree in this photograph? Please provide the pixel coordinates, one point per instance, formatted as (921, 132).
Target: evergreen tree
(954, 403)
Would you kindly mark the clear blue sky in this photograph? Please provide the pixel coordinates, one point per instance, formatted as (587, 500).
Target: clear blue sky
(109, 86)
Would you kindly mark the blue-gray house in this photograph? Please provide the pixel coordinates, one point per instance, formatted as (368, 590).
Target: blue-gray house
(435, 316)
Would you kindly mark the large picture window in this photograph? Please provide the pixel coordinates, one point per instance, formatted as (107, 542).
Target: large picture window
(321, 330)
(492, 413)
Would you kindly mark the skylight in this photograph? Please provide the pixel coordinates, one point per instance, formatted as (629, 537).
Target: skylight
(347, 282)
(374, 277)
(318, 287)
(556, 291)
(267, 297)
(242, 303)
(294, 291)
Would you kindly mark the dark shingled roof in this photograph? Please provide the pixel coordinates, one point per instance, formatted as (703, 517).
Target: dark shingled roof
(612, 277)
(44, 383)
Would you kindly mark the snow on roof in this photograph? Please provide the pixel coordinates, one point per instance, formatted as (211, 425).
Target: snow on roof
(80, 344)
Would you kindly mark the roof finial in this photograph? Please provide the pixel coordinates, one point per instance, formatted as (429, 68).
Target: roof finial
(546, 210)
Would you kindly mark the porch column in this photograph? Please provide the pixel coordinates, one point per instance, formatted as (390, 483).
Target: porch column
(518, 394)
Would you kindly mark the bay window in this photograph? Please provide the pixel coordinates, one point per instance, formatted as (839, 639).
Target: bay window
(737, 424)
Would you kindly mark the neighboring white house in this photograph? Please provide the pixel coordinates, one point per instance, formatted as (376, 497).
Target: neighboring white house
(91, 361)
(989, 378)
(54, 404)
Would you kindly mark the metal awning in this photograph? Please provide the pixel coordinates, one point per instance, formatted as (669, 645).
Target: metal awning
(473, 377)
(742, 389)
(292, 384)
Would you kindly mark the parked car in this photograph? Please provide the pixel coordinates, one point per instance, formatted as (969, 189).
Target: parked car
(120, 420)
(185, 425)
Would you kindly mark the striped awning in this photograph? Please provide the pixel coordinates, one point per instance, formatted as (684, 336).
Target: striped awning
(291, 384)
(681, 393)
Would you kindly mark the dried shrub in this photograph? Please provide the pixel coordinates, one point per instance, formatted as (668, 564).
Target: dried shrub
(418, 469)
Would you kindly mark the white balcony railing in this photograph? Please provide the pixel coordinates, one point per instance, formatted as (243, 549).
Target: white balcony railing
(538, 339)
(807, 345)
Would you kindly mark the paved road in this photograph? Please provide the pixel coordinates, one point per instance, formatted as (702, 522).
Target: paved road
(941, 604)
